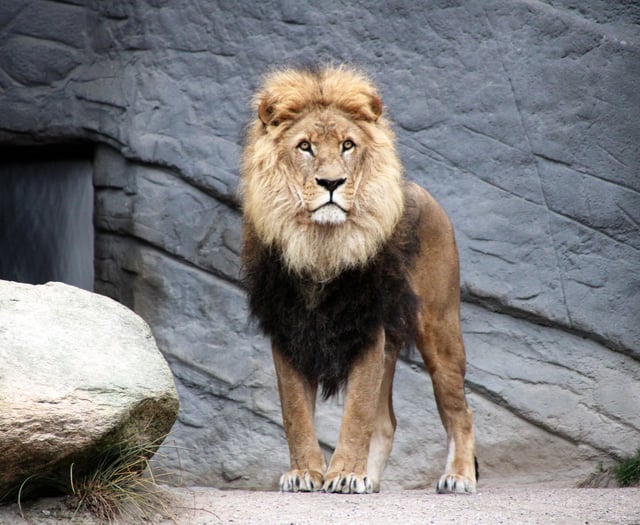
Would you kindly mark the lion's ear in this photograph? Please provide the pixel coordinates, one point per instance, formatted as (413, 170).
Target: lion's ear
(376, 106)
(265, 110)
(271, 112)
(363, 106)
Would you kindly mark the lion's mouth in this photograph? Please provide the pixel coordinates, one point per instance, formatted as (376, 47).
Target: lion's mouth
(329, 213)
(329, 204)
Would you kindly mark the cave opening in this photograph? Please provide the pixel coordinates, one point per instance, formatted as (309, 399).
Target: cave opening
(46, 214)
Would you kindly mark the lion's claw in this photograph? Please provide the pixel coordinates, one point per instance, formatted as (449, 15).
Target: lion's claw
(301, 481)
(348, 483)
(453, 484)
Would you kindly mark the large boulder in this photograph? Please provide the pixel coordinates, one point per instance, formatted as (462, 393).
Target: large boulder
(80, 375)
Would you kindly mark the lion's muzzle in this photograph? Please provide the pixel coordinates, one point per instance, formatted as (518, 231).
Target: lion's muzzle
(330, 212)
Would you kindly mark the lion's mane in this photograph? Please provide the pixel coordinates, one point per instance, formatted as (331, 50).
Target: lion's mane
(271, 204)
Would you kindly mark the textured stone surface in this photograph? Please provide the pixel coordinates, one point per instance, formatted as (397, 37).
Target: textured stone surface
(519, 116)
(79, 373)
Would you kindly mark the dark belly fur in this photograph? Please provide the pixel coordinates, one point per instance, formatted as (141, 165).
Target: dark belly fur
(324, 328)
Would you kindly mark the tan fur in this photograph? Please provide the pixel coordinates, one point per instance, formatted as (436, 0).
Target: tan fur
(314, 129)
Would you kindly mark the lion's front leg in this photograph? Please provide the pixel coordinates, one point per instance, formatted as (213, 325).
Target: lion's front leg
(347, 471)
(297, 399)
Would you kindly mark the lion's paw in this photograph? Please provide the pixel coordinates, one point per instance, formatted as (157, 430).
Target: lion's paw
(453, 484)
(348, 483)
(301, 481)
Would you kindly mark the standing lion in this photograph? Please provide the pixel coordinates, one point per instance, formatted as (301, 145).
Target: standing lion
(346, 263)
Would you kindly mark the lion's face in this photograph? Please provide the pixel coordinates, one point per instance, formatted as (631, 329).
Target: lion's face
(326, 152)
(321, 181)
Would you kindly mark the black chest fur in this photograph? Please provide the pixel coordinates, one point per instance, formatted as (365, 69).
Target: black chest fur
(324, 328)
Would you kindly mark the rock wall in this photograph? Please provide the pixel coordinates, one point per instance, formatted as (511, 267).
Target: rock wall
(519, 116)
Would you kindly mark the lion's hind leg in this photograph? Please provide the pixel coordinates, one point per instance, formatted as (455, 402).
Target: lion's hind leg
(440, 344)
(384, 425)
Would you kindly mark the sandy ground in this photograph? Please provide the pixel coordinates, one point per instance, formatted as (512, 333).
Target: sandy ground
(525, 505)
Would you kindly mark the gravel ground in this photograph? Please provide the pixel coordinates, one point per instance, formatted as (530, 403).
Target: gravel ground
(518, 505)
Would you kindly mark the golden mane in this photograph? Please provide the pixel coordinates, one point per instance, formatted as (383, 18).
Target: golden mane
(270, 188)
(286, 94)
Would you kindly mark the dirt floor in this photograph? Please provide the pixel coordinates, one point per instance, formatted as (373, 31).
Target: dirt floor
(516, 505)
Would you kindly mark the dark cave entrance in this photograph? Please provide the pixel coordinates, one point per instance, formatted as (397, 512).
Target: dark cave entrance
(46, 214)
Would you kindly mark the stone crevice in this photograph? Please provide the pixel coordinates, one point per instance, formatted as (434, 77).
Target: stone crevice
(137, 241)
(495, 304)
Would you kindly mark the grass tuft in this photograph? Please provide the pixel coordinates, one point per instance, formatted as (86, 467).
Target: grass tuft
(628, 472)
(122, 485)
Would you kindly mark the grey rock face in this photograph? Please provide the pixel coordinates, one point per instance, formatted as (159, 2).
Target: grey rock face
(520, 117)
(79, 374)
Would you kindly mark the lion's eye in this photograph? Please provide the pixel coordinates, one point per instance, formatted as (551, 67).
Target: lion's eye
(305, 145)
(347, 145)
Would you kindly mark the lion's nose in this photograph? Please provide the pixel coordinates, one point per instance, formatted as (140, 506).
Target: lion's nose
(330, 184)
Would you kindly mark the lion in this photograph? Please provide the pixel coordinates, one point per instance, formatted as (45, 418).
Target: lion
(346, 263)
